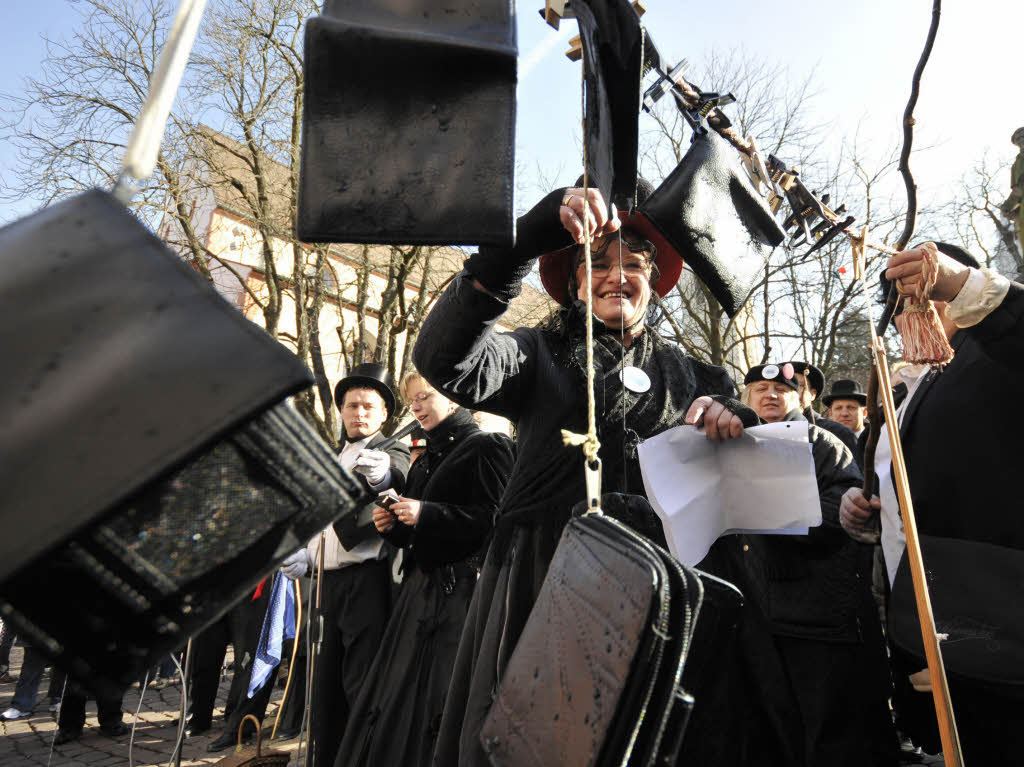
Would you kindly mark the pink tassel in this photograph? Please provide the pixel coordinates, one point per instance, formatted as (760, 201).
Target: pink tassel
(924, 340)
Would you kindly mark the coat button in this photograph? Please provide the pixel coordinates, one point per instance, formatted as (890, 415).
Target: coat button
(746, 547)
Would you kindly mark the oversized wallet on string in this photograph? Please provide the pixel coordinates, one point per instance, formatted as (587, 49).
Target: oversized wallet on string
(600, 675)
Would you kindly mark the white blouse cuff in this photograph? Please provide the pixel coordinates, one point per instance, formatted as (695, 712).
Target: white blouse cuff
(980, 295)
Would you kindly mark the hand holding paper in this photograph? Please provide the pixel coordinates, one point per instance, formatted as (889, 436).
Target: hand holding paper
(762, 481)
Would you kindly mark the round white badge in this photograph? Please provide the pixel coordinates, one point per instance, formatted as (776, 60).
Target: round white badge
(770, 371)
(635, 379)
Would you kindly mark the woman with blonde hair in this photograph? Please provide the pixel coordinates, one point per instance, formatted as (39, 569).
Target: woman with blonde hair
(442, 522)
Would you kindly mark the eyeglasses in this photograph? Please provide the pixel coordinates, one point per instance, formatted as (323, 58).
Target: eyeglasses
(423, 396)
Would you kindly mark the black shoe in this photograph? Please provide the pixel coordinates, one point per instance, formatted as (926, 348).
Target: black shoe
(227, 740)
(195, 730)
(115, 730)
(66, 736)
(283, 734)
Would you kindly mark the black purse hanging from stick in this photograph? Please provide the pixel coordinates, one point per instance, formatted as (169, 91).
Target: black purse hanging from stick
(602, 673)
(709, 210)
(152, 470)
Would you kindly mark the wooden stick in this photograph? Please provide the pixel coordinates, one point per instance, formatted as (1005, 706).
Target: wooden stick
(940, 686)
(295, 651)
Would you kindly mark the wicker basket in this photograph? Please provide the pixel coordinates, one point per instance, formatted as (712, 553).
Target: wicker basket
(254, 757)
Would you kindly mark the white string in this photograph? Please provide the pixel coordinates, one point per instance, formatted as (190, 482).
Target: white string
(184, 708)
(141, 153)
(63, 690)
(135, 722)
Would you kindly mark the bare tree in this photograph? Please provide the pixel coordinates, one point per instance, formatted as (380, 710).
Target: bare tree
(977, 222)
(233, 137)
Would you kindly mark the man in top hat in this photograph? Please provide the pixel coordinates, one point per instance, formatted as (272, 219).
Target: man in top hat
(812, 383)
(813, 591)
(355, 598)
(847, 404)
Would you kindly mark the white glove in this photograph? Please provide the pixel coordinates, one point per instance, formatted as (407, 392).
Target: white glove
(296, 565)
(374, 465)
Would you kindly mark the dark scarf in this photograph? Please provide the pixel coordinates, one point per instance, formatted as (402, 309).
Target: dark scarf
(624, 417)
(440, 441)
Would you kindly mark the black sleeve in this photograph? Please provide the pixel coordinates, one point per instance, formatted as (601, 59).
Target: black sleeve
(502, 270)
(460, 354)
(836, 472)
(1001, 333)
(447, 532)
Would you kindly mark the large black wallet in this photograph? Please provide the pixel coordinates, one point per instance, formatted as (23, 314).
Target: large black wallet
(597, 676)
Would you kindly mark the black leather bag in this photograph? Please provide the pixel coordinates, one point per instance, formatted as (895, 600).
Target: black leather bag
(151, 470)
(613, 44)
(597, 676)
(409, 123)
(710, 212)
(975, 594)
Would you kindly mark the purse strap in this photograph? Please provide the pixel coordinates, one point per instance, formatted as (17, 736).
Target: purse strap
(143, 146)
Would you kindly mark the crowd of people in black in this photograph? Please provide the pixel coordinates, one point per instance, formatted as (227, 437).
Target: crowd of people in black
(424, 592)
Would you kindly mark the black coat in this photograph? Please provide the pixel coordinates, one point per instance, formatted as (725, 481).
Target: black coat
(843, 432)
(533, 378)
(357, 526)
(813, 586)
(963, 463)
(459, 480)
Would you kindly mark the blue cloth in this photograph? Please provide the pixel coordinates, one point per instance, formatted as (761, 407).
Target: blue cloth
(278, 625)
(27, 689)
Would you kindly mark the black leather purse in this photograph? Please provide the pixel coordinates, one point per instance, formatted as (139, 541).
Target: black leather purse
(408, 127)
(710, 212)
(598, 676)
(975, 594)
(152, 470)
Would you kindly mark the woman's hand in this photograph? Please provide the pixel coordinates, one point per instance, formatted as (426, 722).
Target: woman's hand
(407, 510)
(382, 520)
(572, 214)
(719, 423)
(905, 267)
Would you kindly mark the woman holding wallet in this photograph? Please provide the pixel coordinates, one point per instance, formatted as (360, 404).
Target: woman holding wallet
(442, 522)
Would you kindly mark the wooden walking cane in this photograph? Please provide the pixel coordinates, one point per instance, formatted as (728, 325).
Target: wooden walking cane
(295, 651)
(880, 387)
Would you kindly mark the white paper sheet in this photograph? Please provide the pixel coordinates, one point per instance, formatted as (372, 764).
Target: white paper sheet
(762, 482)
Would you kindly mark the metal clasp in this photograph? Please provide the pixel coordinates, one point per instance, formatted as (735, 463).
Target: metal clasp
(592, 470)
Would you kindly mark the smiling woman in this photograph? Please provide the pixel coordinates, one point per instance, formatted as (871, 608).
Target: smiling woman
(537, 378)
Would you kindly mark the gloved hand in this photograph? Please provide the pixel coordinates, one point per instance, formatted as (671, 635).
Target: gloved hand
(296, 565)
(374, 465)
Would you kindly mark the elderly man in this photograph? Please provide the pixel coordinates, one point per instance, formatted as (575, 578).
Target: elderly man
(963, 469)
(814, 591)
(847, 404)
(356, 596)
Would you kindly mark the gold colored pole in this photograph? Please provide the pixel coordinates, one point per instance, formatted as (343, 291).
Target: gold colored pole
(291, 664)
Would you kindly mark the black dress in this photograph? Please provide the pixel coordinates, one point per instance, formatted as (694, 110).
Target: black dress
(459, 480)
(536, 379)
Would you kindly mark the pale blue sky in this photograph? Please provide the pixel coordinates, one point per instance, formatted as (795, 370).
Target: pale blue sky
(864, 54)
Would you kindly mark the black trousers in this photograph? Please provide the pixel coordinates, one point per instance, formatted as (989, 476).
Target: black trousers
(240, 627)
(355, 603)
(72, 709)
(841, 705)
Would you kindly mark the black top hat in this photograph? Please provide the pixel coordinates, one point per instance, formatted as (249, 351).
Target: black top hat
(845, 388)
(815, 378)
(784, 374)
(370, 375)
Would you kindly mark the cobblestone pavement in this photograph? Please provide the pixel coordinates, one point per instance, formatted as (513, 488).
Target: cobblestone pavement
(27, 741)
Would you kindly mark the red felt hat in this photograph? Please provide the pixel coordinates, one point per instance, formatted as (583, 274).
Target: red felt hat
(555, 267)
